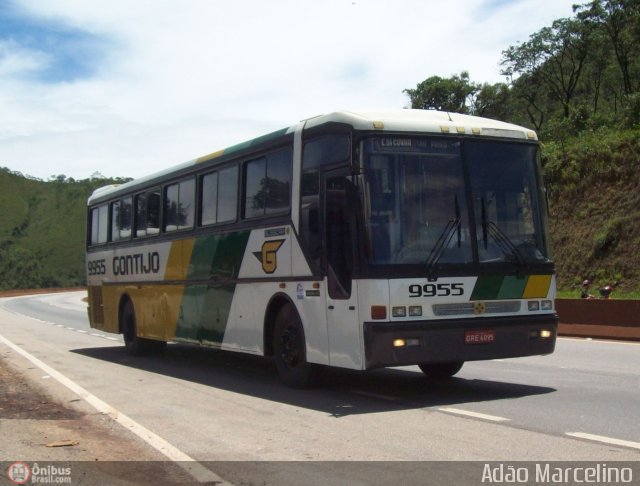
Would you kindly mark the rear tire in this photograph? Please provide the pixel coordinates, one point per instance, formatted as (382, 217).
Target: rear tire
(441, 371)
(136, 346)
(290, 350)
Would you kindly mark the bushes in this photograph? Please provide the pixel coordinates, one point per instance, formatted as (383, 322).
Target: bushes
(594, 197)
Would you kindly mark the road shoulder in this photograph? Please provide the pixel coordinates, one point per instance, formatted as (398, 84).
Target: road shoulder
(43, 422)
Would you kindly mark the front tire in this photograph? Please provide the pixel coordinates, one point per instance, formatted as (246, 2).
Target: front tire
(290, 350)
(441, 371)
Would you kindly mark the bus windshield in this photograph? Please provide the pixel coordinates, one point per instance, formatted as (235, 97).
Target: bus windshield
(420, 209)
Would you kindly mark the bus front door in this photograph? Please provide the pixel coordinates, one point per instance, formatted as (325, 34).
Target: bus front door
(342, 314)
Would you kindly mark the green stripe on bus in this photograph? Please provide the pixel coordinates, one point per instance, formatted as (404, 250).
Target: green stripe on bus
(495, 287)
(218, 257)
(205, 307)
(512, 288)
(487, 287)
(255, 141)
(204, 312)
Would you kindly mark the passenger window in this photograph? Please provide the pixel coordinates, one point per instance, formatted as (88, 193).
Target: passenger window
(228, 194)
(141, 215)
(153, 212)
(147, 212)
(209, 199)
(254, 193)
(115, 218)
(268, 184)
(121, 220)
(179, 206)
(219, 196)
(99, 224)
(126, 216)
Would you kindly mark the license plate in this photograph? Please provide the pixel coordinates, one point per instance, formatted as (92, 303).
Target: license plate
(479, 336)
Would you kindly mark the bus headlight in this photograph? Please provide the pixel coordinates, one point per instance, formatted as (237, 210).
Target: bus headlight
(533, 305)
(399, 311)
(546, 305)
(415, 311)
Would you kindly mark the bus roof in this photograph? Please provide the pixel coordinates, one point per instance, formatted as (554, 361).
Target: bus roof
(427, 121)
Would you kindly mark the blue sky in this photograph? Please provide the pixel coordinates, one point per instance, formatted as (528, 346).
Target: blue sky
(129, 87)
(57, 52)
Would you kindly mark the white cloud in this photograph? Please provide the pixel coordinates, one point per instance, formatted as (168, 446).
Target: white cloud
(180, 79)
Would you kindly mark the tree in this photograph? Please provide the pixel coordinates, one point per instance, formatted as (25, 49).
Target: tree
(492, 101)
(435, 93)
(556, 55)
(621, 20)
(19, 267)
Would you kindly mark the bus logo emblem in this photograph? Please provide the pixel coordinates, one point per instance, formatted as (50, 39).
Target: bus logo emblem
(268, 254)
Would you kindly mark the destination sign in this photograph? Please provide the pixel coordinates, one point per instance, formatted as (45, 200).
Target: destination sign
(417, 145)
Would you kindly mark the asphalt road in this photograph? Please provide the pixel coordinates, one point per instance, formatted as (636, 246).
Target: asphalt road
(580, 404)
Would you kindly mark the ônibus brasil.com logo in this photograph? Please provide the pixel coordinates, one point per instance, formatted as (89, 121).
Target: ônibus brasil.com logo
(19, 472)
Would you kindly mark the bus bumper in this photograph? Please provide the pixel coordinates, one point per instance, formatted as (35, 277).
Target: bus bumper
(447, 340)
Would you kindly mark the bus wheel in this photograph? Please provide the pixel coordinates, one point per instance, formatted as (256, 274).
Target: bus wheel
(290, 349)
(136, 346)
(441, 371)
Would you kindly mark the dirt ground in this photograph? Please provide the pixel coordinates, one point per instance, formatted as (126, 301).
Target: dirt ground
(62, 431)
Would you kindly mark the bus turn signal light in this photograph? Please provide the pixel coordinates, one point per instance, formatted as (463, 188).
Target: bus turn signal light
(378, 312)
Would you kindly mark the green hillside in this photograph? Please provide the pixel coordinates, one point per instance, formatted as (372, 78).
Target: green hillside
(42, 230)
(593, 183)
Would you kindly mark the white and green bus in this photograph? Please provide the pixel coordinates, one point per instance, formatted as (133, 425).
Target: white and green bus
(353, 240)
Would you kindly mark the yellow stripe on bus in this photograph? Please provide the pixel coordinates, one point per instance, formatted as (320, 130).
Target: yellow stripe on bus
(211, 156)
(537, 287)
(179, 258)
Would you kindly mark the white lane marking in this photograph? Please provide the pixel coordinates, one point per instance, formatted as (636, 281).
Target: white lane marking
(466, 413)
(604, 439)
(200, 473)
(61, 326)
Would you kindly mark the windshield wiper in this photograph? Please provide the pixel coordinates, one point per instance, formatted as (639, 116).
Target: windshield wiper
(505, 244)
(453, 226)
(489, 228)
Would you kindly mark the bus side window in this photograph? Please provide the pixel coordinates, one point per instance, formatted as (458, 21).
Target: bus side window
(141, 215)
(209, 201)
(121, 219)
(179, 207)
(268, 184)
(219, 196)
(115, 221)
(153, 213)
(228, 194)
(99, 224)
(126, 216)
